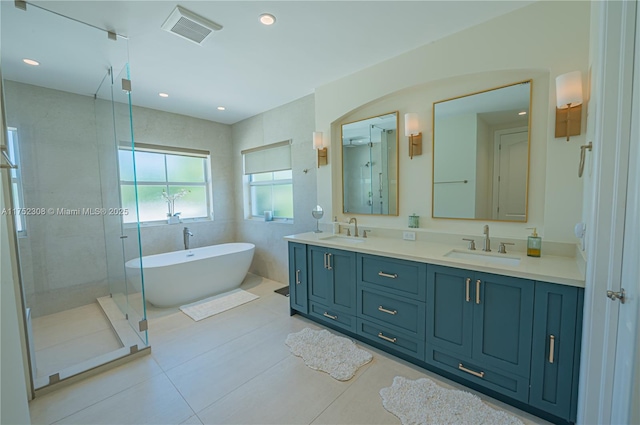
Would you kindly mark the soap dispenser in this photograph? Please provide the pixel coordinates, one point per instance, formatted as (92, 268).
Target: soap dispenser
(534, 244)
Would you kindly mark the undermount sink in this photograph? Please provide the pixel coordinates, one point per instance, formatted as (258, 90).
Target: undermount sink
(500, 259)
(345, 239)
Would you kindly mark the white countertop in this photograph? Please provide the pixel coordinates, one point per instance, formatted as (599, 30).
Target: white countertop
(547, 268)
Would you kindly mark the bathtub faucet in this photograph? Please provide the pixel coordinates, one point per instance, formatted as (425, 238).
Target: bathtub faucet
(186, 233)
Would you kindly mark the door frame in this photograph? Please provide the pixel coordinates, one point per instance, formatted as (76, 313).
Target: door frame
(614, 30)
(495, 194)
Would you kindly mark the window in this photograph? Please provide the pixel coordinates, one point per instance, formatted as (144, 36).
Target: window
(272, 191)
(16, 180)
(170, 182)
(269, 181)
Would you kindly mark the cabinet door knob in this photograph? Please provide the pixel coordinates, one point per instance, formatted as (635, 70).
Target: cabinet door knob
(478, 291)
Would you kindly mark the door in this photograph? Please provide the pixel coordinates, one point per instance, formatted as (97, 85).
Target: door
(626, 388)
(502, 322)
(553, 346)
(449, 309)
(342, 267)
(510, 177)
(298, 277)
(609, 376)
(319, 285)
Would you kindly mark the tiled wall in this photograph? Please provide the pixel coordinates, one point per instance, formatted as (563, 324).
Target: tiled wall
(68, 152)
(293, 121)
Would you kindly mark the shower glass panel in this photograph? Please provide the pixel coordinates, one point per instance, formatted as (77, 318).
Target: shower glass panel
(67, 119)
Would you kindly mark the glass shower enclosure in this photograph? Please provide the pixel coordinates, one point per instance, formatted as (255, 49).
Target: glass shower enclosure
(66, 120)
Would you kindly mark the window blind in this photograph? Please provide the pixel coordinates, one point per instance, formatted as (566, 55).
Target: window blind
(264, 159)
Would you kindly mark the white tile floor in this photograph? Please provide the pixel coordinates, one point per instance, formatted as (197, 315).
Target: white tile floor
(233, 368)
(70, 337)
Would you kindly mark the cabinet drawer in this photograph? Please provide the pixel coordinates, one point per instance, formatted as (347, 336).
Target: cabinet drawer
(389, 338)
(398, 276)
(332, 316)
(505, 383)
(399, 313)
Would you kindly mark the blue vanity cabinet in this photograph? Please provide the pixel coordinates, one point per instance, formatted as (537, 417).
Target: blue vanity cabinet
(479, 327)
(332, 285)
(502, 322)
(556, 333)
(298, 277)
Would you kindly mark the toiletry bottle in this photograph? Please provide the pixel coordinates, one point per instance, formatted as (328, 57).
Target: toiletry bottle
(336, 226)
(534, 244)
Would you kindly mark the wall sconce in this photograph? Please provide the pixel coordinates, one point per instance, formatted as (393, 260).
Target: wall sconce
(569, 104)
(411, 130)
(319, 146)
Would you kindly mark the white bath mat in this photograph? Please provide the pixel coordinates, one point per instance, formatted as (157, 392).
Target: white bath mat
(217, 304)
(322, 350)
(424, 402)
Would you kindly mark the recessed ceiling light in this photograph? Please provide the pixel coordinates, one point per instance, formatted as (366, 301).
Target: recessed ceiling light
(221, 108)
(31, 62)
(163, 95)
(267, 19)
(522, 113)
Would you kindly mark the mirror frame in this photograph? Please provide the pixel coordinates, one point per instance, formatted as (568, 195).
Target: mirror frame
(397, 114)
(433, 156)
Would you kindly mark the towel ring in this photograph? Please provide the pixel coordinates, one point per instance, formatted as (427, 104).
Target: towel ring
(583, 148)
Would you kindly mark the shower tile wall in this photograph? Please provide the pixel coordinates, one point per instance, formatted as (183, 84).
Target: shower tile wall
(57, 137)
(65, 167)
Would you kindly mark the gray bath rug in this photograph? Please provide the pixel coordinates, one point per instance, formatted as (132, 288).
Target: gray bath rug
(217, 304)
(424, 402)
(322, 350)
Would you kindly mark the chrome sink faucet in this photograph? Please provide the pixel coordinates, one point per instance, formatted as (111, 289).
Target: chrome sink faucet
(353, 220)
(185, 234)
(487, 241)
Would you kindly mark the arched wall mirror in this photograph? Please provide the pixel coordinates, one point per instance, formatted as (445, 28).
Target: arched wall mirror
(481, 155)
(370, 165)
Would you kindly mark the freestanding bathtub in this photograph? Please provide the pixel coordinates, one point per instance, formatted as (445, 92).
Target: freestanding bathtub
(181, 277)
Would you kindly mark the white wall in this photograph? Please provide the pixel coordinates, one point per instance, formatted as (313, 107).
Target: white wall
(539, 41)
(291, 121)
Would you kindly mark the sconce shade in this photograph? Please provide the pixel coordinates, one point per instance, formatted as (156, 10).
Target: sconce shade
(569, 89)
(317, 140)
(411, 124)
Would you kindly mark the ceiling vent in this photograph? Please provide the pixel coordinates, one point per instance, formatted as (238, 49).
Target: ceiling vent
(190, 26)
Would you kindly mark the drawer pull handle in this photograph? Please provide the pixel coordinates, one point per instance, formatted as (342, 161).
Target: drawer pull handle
(472, 372)
(297, 277)
(329, 261)
(552, 346)
(386, 338)
(478, 291)
(384, 310)
(467, 296)
(325, 260)
(390, 276)
(330, 316)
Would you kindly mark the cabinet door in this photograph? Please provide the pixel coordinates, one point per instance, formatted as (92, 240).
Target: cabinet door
(332, 278)
(449, 309)
(502, 323)
(298, 277)
(342, 269)
(554, 334)
(319, 278)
